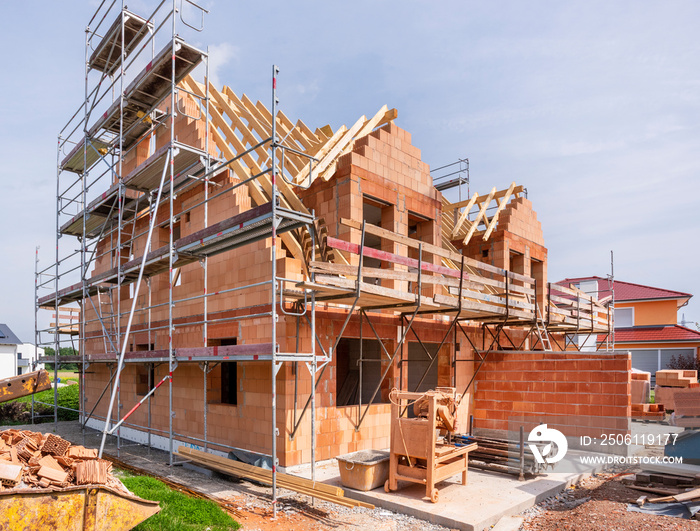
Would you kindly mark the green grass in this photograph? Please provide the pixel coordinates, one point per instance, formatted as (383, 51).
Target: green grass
(66, 375)
(178, 511)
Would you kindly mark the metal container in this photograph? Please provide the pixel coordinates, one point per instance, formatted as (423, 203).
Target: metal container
(83, 508)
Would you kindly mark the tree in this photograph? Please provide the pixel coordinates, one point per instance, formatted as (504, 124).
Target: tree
(63, 351)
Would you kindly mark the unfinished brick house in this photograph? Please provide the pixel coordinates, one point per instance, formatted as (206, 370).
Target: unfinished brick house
(227, 247)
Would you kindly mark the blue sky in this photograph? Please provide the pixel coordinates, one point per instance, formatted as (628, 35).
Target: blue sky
(593, 106)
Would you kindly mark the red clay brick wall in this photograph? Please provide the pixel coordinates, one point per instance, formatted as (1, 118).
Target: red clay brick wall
(576, 385)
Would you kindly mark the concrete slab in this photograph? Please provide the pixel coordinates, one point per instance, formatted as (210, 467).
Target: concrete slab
(485, 500)
(509, 523)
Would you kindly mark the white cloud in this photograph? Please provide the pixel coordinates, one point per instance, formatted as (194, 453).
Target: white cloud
(220, 55)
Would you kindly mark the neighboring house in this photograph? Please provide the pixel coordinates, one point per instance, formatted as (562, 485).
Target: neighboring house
(26, 354)
(9, 344)
(646, 321)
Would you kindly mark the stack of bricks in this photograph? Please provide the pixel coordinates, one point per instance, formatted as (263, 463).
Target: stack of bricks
(669, 382)
(45, 461)
(641, 408)
(641, 387)
(672, 378)
(648, 411)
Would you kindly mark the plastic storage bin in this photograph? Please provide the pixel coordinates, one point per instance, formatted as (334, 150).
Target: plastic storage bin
(364, 470)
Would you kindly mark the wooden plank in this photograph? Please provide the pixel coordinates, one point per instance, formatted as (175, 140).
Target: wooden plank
(193, 454)
(301, 485)
(653, 490)
(494, 299)
(284, 189)
(676, 469)
(24, 385)
(479, 216)
(486, 309)
(574, 292)
(393, 274)
(451, 206)
(502, 202)
(439, 251)
(687, 496)
(338, 148)
(303, 177)
(260, 123)
(410, 262)
(395, 296)
(463, 216)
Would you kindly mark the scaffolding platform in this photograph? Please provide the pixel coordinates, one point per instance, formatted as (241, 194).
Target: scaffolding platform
(187, 162)
(146, 91)
(103, 211)
(250, 226)
(142, 95)
(252, 352)
(75, 161)
(108, 53)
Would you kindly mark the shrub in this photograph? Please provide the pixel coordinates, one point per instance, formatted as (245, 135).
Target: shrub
(19, 410)
(14, 412)
(683, 362)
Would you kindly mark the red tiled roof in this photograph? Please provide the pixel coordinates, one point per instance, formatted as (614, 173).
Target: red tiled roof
(653, 334)
(627, 291)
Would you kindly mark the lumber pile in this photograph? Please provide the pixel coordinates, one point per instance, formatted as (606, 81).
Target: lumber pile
(33, 460)
(680, 486)
(315, 489)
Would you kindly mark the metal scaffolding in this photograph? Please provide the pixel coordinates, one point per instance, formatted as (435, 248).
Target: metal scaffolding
(133, 98)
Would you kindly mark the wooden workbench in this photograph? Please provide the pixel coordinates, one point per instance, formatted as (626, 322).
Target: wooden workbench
(416, 455)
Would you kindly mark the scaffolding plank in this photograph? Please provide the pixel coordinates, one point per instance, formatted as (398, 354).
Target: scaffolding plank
(108, 53)
(146, 91)
(103, 210)
(392, 274)
(252, 225)
(250, 352)
(76, 158)
(67, 295)
(146, 176)
(426, 266)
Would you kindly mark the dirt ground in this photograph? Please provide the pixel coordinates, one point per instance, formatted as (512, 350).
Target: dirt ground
(299, 515)
(598, 503)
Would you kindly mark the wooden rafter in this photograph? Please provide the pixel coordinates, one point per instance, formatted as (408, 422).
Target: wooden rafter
(463, 215)
(479, 216)
(502, 202)
(257, 187)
